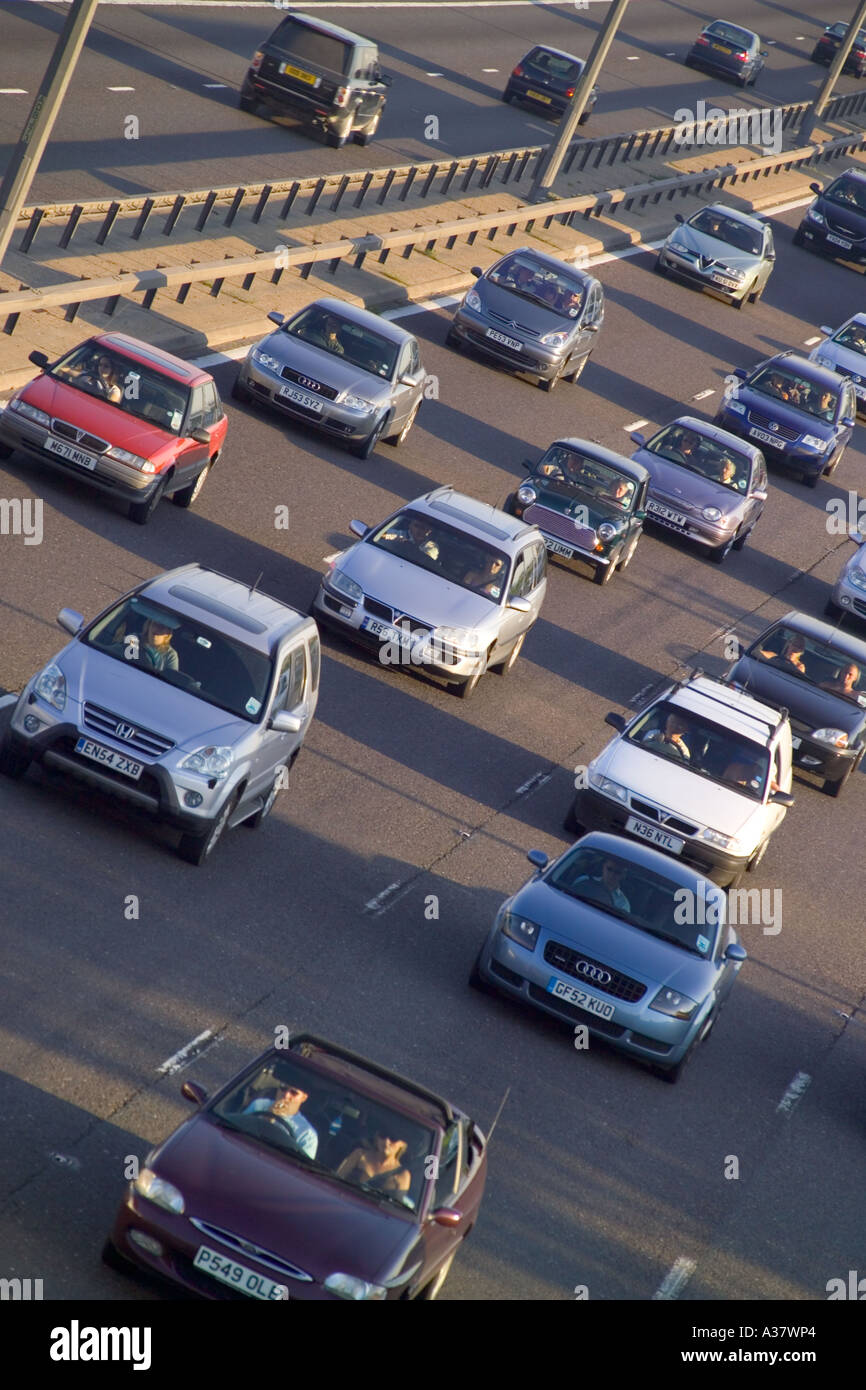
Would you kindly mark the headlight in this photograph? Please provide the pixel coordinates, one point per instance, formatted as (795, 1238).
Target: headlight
(30, 412)
(812, 441)
(711, 514)
(837, 737)
(472, 300)
(134, 460)
(357, 405)
(462, 640)
(736, 407)
(813, 216)
(715, 837)
(519, 929)
(675, 1005)
(347, 1286)
(606, 531)
(51, 686)
(733, 272)
(210, 762)
(608, 788)
(526, 494)
(163, 1194)
(856, 577)
(681, 250)
(264, 359)
(555, 339)
(824, 361)
(344, 585)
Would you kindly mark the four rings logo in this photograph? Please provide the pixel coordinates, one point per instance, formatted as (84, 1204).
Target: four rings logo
(309, 383)
(593, 972)
(125, 731)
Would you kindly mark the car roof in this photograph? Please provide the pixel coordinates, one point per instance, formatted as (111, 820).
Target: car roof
(841, 641)
(851, 173)
(558, 52)
(603, 455)
(813, 371)
(324, 26)
(714, 432)
(738, 711)
(639, 853)
(550, 262)
(383, 327)
(206, 596)
(747, 218)
(480, 519)
(148, 355)
(731, 24)
(846, 323)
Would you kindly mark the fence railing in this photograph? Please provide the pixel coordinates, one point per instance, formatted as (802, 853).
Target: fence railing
(565, 211)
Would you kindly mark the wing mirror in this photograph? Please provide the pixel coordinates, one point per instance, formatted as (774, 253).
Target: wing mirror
(816, 188)
(358, 528)
(190, 1090)
(70, 621)
(828, 332)
(616, 721)
(678, 217)
(740, 374)
(519, 605)
(39, 359)
(759, 494)
(447, 1216)
(537, 858)
(283, 722)
(781, 799)
(849, 422)
(200, 436)
(638, 438)
(277, 318)
(856, 536)
(736, 952)
(476, 271)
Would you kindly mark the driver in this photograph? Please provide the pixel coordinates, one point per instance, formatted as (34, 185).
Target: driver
(156, 649)
(286, 1107)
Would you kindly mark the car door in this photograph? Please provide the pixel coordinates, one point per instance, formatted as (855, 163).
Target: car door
(192, 455)
(769, 256)
(291, 692)
(758, 484)
(590, 321)
(457, 1187)
(405, 389)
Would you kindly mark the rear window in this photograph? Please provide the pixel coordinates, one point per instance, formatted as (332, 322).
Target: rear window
(556, 65)
(729, 33)
(323, 50)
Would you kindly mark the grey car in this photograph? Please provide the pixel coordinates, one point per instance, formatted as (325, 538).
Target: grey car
(728, 253)
(849, 591)
(347, 372)
(844, 351)
(705, 484)
(447, 584)
(621, 939)
(188, 699)
(532, 313)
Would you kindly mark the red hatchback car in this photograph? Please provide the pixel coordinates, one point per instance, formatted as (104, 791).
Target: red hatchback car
(130, 419)
(314, 1174)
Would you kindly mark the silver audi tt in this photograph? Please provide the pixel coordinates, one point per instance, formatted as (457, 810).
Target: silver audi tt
(719, 249)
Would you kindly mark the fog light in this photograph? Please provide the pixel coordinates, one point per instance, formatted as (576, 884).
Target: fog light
(192, 799)
(147, 1243)
(32, 724)
(843, 599)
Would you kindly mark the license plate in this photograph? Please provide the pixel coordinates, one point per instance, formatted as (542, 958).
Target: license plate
(725, 280)
(860, 392)
(390, 634)
(107, 756)
(840, 241)
(66, 451)
(557, 548)
(291, 393)
(654, 834)
(501, 338)
(657, 509)
(766, 438)
(238, 1276)
(795, 742)
(301, 74)
(720, 48)
(579, 997)
(538, 96)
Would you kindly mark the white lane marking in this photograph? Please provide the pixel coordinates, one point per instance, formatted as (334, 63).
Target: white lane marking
(810, 342)
(120, 89)
(794, 1093)
(13, 91)
(376, 904)
(633, 58)
(670, 55)
(343, 4)
(434, 74)
(489, 69)
(214, 86)
(640, 694)
(635, 425)
(7, 700)
(702, 395)
(676, 1279)
(186, 1054)
(538, 779)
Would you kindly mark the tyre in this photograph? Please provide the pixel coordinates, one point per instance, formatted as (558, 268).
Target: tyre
(811, 479)
(572, 824)
(798, 238)
(247, 103)
(578, 371)
(740, 542)
(366, 447)
(755, 295)
(363, 137)
(835, 788)
(508, 96)
(476, 979)
(629, 554)
(757, 857)
(511, 660)
(659, 266)
(397, 439)
(13, 763)
(111, 1256)
(337, 135)
(141, 512)
(831, 609)
(188, 495)
(721, 552)
(6, 451)
(240, 392)
(254, 821)
(466, 689)
(738, 303)
(834, 463)
(196, 849)
(735, 881)
(452, 340)
(584, 118)
(434, 1288)
(550, 383)
(603, 574)
(672, 1074)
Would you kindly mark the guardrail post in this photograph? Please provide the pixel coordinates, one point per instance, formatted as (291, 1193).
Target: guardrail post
(509, 168)
(11, 324)
(182, 293)
(107, 225)
(629, 146)
(36, 217)
(410, 179)
(344, 184)
(428, 182)
(316, 195)
(71, 311)
(333, 264)
(171, 220)
(247, 282)
(363, 190)
(146, 210)
(69, 229)
(386, 186)
(448, 177)
(521, 168)
(111, 304)
(467, 178)
(490, 170)
(617, 145)
(235, 204)
(305, 270)
(290, 198)
(207, 209)
(263, 201)
(407, 250)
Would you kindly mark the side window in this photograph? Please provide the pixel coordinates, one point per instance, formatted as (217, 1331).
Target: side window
(452, 1165)
(522, 575)
(850, 401)
(196, 411)
(315, 661)
(212, 408)
(540, 565)
(404, 361)
(290, 684)
(593, 308)
(415, 357)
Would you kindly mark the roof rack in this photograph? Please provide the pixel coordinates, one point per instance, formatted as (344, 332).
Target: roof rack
(334, 1050)
(734, 685)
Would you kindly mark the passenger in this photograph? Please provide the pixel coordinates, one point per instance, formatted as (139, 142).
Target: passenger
(823, 403)
(378, 1164)
(791, 654)
(286, 1107)
(844, 682)
(488, 579)
(606, 885)
(727, 470)
(671, 739)
(106, 380)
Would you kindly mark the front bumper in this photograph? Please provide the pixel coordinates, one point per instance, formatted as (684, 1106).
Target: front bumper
(849, 598)
(597, 812)
(686, 270)
(109, 476)
(329, 608)
(264, 385)
(708, 534)
(533, 357)
(810, 755)
(816, 238)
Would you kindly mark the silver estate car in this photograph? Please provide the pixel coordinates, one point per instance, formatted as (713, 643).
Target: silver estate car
(719, 249)
(844, 350)
(447, 584)
(849, 592)
(532, 313)
(188, 699)
(347, 372)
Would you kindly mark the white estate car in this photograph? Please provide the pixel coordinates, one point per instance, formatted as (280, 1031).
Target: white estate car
(703, 773)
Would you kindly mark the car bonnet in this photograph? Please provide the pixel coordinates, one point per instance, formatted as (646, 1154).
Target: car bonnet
(687, 793)
(674, 480)
(520, 311)
(416, 591)
(97, 416)
(820, 709)
(712, 249)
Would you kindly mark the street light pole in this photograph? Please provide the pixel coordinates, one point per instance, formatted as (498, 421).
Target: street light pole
(43, 113)
(816, 111)
(607, 33)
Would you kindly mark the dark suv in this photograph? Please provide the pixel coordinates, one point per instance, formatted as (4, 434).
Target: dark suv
(324, 75)
(836, 222)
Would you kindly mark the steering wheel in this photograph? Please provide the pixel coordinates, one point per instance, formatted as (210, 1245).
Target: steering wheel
(271, 1127)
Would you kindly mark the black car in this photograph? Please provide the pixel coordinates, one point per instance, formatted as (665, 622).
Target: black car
(819, 675)
(588, 502)
(730, 50)
(326, 76)
(799, 413)
(828, 46)
(835, 224)
(546, 79)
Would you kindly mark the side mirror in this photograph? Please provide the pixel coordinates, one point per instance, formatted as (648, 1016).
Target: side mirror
(759, 494)
(384, 78)
(678, 217)
(519, 605)
(528, 465)
(740, 374)
(736, 952)
(447, 1216)
(616, 721)
(591, 327)
(638, 438)
(849, 422)
(283, 722)
(538, 858)
(856, 536)
(476, 271)
(39, 359)
(358, 528)
(770, 256)
(277, 318)
(828, 332)
(816, 188)
(411, 379)
(70, 621)
(190, 1090)
(781, 799)
(763, 53)
(200, 436)
(640, 514)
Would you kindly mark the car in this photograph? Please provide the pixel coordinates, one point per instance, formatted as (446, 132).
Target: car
(349, 373)
(603, 937)
(256, 1197)
(702, 772)
(132, 421)
(705, 484)
(799, 664)
(188, 699)
(447, 584)
(588, 502)
(729, 50)
(727, 253)
(327, 77)
(843, 350)
(835, 224)
(800, 413)
(849, 592)
(532, 313)
(546, 79)
(830, 42)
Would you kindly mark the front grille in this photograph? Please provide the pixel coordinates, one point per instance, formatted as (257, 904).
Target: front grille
(378, 610)
(574, 1014)
(765, 423)
(394, 616)
(839, 230)
(509, 323)
(142, 741)
(308, 383)
(247, 1249)
(860, 606)
(620, 986)
(645, 808)
(64, 430)
(562, 528)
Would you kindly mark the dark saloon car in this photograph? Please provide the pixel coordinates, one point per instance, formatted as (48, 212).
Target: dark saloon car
(326, 76)
(546, 79)
(835, 224)
(830, 42)
(313, 1174)
(801, 414)
(705, 484)
(588, 503)
(729, 50)
(818, 674)
(533, 313)
(604, 937)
